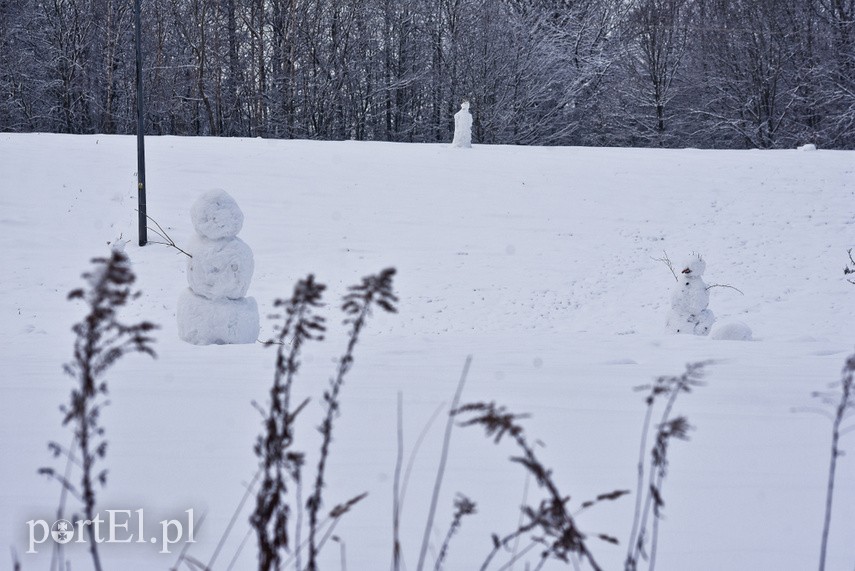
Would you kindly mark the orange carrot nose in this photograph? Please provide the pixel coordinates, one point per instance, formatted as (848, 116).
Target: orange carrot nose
(687, 271)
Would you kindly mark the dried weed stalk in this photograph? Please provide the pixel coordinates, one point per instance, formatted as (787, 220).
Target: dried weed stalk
(649, 499)
(843, 406)
(278, 462)
(101, 340)
(375, 290)
(549, 523)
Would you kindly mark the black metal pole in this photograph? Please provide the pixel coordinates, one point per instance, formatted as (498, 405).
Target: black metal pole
(140, 132)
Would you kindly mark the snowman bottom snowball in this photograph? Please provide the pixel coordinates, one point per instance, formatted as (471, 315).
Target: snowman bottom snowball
(203, 321)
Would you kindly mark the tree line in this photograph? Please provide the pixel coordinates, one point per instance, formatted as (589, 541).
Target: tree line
(670, 73)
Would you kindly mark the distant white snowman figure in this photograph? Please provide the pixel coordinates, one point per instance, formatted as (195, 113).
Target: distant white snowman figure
(462, 127)
(214, 310)
(689, 300)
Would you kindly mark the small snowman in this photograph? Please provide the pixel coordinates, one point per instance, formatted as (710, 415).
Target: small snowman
(689, 300)
(214, 310)
(462, 127)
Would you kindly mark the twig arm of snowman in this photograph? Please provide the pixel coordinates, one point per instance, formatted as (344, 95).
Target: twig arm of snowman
(667, 261)
(670, 265)
(167, 239)
(709, 287)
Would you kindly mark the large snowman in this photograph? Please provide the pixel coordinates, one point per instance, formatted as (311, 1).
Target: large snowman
(214, 310)
(689, 300)
(462, 127)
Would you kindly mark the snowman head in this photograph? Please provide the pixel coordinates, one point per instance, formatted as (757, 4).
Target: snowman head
(216, 215)
(693, 267)
(465, 105)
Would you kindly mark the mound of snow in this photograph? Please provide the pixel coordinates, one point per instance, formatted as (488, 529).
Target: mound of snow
(808, 147)
(731, 331)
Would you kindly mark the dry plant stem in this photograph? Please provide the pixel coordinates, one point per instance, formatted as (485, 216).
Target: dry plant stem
(849, 270)
(542, 562)
(396, 488)
(272, 512)
(332, 398)
(89, 495)
(194, 564)
(183, 553)
(463, 507)
(672, 387)
(239, 550)
(56, 560)
(521, 520)
(517, 555)
(374, 290)
(441, 469)
(412, 458)
(300, 546)
(336, 514)
(100, 341)
(558, 499)
(328, 534)
(654, 542)
(556, 526)
(327, 525)
(299, 525)
(639, 489)
(499, 543)
(235, 514)
(664, 435)
(654, 483)
(343, 552)
(844, 406)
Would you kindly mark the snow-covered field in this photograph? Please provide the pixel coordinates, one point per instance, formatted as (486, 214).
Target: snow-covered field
(536, 261)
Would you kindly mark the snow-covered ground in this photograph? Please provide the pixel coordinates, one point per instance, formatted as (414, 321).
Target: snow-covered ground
(536, 261)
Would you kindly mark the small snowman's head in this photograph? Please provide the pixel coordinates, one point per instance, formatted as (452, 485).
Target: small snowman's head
(465, 105)
(694, 267)
(216, 215)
